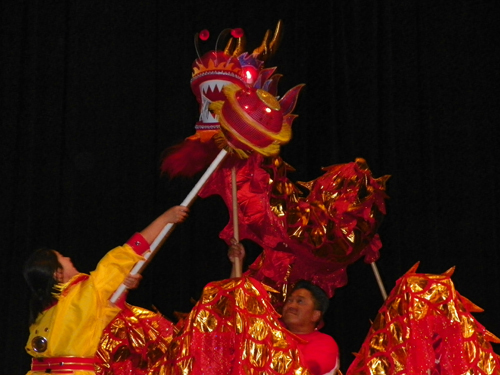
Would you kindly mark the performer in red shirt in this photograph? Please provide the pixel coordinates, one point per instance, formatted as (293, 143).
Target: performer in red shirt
(302, 315)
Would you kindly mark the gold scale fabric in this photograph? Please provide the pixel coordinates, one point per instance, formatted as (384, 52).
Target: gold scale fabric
(426, 327)
(135, 342)
(233, 329)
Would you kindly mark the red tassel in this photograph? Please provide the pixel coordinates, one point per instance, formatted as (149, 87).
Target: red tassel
(188, 158)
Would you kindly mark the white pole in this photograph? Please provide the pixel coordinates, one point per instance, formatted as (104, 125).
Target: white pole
(162, 236)
(379, 280)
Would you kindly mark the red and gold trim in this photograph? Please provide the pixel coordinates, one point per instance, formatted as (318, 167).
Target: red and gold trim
(62, 365)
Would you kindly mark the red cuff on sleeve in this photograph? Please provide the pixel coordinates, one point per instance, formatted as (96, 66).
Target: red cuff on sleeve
(138, 243)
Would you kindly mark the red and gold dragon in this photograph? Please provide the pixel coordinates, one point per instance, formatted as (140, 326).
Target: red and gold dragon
(311, 230)
(234, 328)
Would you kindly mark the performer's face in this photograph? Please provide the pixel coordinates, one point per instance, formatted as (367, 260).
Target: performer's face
(67, 270)
(299, 313)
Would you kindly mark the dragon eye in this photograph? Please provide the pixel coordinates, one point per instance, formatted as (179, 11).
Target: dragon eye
(249, 74)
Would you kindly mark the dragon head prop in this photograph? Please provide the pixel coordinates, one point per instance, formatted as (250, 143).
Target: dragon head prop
(238, 104)
(216, 69)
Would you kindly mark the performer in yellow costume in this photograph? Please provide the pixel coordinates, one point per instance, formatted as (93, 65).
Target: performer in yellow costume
(69, 310)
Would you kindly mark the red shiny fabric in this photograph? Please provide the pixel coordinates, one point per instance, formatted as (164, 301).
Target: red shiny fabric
(426, 327)
(135, 342)
(310, 230)
(233, 330)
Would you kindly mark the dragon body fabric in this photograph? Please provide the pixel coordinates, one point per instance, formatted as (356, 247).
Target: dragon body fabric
(233, 329)
(426, 327)
(312, 237)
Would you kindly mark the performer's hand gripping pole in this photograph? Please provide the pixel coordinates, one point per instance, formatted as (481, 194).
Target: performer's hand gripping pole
(162, 236)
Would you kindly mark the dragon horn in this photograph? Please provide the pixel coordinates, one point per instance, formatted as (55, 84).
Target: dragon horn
(230, 47)
(414, 268)
(269, 46)
(235, 47)
(450, 272)
(289, 100)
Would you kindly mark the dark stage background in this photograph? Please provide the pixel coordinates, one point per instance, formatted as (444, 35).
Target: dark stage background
(94, 91)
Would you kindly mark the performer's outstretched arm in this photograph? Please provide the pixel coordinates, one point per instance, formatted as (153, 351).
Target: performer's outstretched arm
(174, 215)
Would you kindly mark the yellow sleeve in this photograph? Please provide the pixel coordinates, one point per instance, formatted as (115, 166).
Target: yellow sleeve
(112, 270)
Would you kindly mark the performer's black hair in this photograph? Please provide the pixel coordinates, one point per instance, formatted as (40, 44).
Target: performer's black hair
(38, 272)
(321, 300)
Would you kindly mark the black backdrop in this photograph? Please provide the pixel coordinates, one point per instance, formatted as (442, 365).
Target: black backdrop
(94, 91)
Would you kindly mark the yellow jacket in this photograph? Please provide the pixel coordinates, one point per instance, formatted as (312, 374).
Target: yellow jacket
(73, 326)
